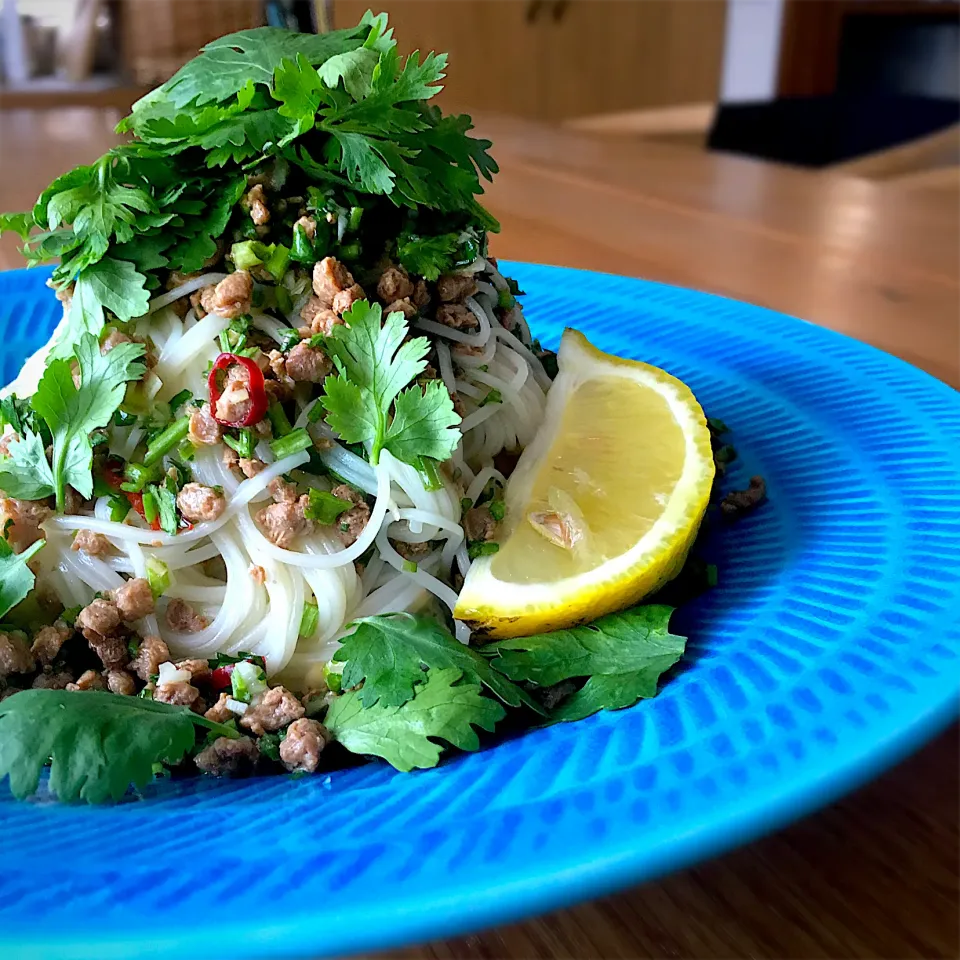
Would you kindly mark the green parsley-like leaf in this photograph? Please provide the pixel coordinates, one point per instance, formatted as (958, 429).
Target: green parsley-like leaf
(26, 474)
(355, 68)
(374, 365)
(71, 412)
(623, 654)
(98, 744)
(387, 653)
(112, 284)
(440, 708)
(428, 256)
(16, 578)
(363, 162)
(227, 65)
(18, 223)
(200, 244)
(424, 424)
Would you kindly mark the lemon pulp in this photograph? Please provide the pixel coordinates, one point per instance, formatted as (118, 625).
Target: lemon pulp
(616, 473)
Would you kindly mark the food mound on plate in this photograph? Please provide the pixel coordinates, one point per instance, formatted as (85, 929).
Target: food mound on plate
(255, 493)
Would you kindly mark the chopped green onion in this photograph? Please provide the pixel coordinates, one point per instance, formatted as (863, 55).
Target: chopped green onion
(291, 443)
(119, 508)
(247, 681)
(138, 475)
(186, 450)
(277, 263)
(290, 338)
(150, 509)
(316, 412)
(356, 215)
(248, 253)
(244, 444)
(279, 420)
(497, 509)
(179, 400)
(429, 474)
(409, 566)
(480, 549)
(309, 619)
(506, 300)
(494, 396)
(165, 441)
(332, 679)
(324, 507)
(465, 504)
(158, 576)
(350, 251)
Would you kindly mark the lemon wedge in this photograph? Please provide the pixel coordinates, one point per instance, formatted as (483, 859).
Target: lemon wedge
(603, 506)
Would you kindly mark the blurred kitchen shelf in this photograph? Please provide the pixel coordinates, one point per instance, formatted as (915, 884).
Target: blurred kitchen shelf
(104, 90)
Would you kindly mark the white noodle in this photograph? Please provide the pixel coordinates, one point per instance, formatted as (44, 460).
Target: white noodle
(185, 288)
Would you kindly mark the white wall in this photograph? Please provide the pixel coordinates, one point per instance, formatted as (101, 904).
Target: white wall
(751, 54)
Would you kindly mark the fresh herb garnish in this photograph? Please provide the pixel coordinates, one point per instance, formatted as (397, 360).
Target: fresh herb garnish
(367, 402)
(622, 654)
(97, 744)
(388, 653)
(441, 708)
(16, 578)
(324, 508)
(70, 413)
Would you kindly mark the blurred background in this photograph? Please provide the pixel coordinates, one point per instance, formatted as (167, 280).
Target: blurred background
(807, 82)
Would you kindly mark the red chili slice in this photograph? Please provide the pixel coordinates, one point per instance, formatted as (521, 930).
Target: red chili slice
(220, 678)
(255, 388)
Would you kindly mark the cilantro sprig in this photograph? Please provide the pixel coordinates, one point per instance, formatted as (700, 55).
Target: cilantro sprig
(97, 744)
(444, 707)
(623, 655)
(369, 400)
(388, 654)
(70, 412)
(16, 578)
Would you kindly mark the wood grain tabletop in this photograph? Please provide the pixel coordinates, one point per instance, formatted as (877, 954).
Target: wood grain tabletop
(874, 875)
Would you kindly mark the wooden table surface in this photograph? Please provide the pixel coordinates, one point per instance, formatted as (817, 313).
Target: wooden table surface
(875, 875)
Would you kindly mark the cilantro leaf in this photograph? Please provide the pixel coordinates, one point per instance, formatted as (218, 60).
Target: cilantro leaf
(112, 284)
(441, 708)
(18, 223)
(16, 578)
(424, 424)
(355, 68)
(428, 257)
(623, 654)
(72, 412)
(225, 66)
(363, 162)
(387, 653)
(299, 89)
(97, 743)
(374, 365)
(200, 243)
(25, 473)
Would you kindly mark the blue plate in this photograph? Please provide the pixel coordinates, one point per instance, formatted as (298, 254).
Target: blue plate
(829, 651)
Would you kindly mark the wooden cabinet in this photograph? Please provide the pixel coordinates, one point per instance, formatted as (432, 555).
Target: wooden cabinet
(555, 59)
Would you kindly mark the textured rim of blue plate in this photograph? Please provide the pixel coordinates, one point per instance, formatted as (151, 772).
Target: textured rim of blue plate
(828, 652)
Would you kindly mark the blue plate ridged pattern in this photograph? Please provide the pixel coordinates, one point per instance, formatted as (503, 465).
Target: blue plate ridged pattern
(830, 649)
